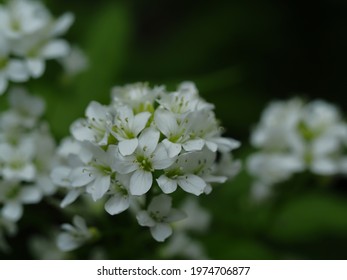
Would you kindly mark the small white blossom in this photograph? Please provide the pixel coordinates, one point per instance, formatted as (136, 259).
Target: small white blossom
(75, 62)
(95, 127)
(126, 128)
(148, 157)
(158, 216)
(74, 236)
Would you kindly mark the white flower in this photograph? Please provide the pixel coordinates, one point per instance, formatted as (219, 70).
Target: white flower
(11, 69)
(148, 157)
(158, 216)
(176, 130)
(26, 109)
(30, 33)
(274, 168)
(126, 128)
(17, 161)
(182, 173)
(75, 62)
(13, 195)
(294, 136)
(74, 236)
(120, 196)
(185, 100)
(95, 128)
(277, 129)
(96, 175)
(138, 96)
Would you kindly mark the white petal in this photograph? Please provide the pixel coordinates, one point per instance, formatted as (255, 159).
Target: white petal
(80, 224)
(80, 131)
(144, 219)
(12, 211)
(193, 145)
(17, 71)
(66, 242)
(166, 122)
(226, 144)
(117, 204)
(140, 182)
(175, 215)
(148, 140)
(192, 184)
(60, 175)
(127, 147)
(99, 187)
(30, 195)
(123, 165)
(140, 121)
(28, 172)
(160, 159)
(161, 231)
(96, 111)
(62, 24)
(211, 146)
(325, 166)
(173, 149)
(36, 67)
(70, 197)
(55, 49)
(167, 185)
(80, 176)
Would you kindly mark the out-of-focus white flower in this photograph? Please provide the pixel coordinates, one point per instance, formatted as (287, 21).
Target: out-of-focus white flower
(28, 37)
(75, 62)
(11, 69)
(26, 155)
(158, 216)
(146, 140)
(140, 97)
(294, 136)
(74, 236)
(13, 195)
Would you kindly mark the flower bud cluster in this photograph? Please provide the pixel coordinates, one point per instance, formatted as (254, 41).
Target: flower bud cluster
(26, 154)
(28, 37)
(294, 136)
(146, 143)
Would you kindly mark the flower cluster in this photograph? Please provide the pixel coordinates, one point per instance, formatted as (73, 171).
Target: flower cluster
(294, 136)
(140, 148)
(28, 37)
(26, 155)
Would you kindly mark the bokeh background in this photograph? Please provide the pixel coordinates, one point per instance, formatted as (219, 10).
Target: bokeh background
(241, 55)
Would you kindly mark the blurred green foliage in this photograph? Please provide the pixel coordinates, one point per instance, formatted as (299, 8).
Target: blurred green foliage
(241, 54)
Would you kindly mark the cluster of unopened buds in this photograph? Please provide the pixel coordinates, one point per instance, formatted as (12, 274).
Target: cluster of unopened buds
(294, 136)
(142, 147)
(28, 37)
